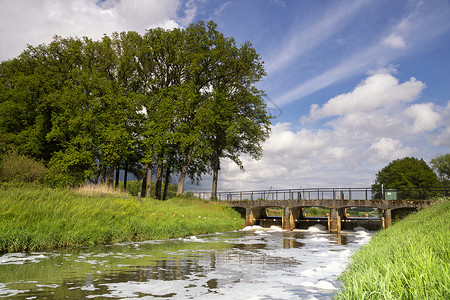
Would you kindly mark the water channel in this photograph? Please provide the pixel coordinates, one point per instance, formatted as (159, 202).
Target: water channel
(253, 263)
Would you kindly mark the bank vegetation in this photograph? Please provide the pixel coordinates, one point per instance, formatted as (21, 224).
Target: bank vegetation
(410, 260)
(40, 218)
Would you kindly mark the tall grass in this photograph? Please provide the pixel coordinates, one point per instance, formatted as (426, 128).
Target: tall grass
(39, 218)
(410, 260)
(99, 190)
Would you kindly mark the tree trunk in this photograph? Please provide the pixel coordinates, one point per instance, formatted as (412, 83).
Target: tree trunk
(111, 175)
(125, 176)
(117, 177)
(184, 170)
(167, 181)
(97, 175)
(159, 175)
(216, 168)
(103, 179)
(144, 181)
(149, 182)
(146, 187)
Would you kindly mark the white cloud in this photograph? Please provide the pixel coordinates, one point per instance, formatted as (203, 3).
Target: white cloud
(34, 22)
(370, 126)
(424, 117)
(387, 149)
(395, 41)
(378, 90)
(442, 137)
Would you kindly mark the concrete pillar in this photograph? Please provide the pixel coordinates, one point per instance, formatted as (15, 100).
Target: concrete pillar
(334, 220)
(387, 218)
(290, 214)
(252, 215)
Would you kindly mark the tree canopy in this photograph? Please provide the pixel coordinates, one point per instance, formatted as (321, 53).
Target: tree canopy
(441, 164)
(174, 101)
(405, 175)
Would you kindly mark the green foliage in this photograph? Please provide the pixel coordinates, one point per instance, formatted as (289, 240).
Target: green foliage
(410, 260)
(34, 219)
(182, 99)
(441, 165)
(15, 167)
(317, 211)
(68, 168)
(134, 187)
(408, 176)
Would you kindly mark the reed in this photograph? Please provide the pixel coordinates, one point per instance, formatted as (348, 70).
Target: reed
(99, 190)
(39, 218)
(410, 260)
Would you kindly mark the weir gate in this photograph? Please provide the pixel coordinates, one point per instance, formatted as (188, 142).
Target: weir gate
(253, 204)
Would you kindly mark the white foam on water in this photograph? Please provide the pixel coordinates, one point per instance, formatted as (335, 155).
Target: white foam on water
(258, 228)
(90, 287)
(317, 228)
(325, 285)
(359, 228)
(254, 227)
(318, 239)
(193, 239)
(6, 292)
(276, 228)
(52, 286)
(21, 258)
(363, 237)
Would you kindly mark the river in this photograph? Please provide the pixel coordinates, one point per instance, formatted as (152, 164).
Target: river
(253, 263)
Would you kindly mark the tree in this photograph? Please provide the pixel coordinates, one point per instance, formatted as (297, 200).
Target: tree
(223, 115)
(409, 176)
(441, 165)
(170, 100)
(239, 121)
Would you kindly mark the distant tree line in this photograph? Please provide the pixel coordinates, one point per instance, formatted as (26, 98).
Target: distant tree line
(412, 178)
(166, 101)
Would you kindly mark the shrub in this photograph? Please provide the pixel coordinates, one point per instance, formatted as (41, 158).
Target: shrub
(16, 167)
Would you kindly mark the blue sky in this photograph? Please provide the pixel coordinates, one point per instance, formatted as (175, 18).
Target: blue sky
(354, 84)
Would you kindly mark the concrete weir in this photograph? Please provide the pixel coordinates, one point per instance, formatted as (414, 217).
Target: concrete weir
(293, 211)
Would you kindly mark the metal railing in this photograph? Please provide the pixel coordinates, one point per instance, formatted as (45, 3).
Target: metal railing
(327, 194)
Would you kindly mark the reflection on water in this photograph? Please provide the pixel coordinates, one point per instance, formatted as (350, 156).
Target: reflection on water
(262, 264)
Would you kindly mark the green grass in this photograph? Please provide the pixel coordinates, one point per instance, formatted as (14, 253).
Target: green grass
(317, 211)
(410, 260)
(39, 218)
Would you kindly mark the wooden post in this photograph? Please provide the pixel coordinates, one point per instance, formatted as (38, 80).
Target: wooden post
(139, 197)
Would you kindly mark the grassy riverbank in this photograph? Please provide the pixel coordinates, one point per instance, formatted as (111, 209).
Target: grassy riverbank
(39, 218)
(410, 260)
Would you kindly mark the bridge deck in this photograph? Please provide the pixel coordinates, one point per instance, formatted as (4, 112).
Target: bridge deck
(330, 203)
(330, 193)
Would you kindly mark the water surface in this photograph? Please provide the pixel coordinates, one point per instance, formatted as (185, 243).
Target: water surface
(253, 263)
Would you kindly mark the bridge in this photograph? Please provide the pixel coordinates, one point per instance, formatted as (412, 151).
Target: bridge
(253, 204)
